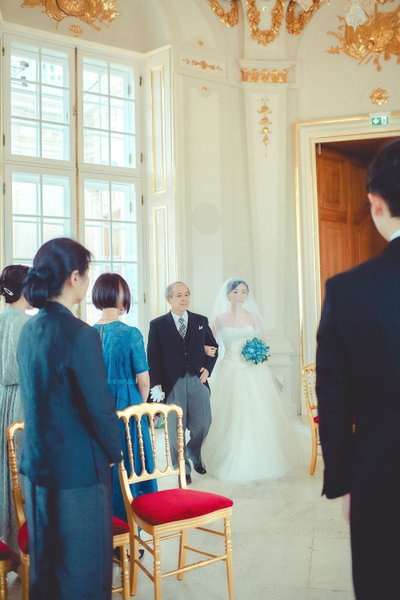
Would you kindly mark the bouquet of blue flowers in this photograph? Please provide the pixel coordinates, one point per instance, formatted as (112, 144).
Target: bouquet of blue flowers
(256, 351)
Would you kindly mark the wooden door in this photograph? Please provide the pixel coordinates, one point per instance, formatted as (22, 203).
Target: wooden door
(347, 235)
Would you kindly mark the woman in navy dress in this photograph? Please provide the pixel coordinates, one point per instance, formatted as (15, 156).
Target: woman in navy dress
(128, 375)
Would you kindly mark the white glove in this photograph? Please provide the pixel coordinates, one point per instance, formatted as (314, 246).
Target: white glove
(156, 394)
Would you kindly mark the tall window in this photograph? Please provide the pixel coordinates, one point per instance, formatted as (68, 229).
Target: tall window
(43, 173)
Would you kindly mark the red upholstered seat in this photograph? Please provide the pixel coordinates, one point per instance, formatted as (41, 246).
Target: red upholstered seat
(316, 419)
(119, 526)
(5, 551)
(23, 538)
(177, 505)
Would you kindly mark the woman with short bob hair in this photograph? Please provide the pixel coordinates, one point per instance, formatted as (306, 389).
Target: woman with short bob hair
(71, 433)
(128, 374)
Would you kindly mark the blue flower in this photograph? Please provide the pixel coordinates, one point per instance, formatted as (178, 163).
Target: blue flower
(256, 351)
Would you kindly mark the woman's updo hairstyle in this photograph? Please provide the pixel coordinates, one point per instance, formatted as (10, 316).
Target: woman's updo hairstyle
(11, 282)
(233, 284)
(53, 264)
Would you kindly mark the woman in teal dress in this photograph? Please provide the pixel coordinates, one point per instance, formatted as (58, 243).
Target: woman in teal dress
(128, 376)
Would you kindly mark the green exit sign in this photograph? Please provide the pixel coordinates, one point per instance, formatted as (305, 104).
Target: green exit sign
(379, 120)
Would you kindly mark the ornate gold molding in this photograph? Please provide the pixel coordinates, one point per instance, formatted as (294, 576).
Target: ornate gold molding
(202, 64)
(265, 122)
(264, 75)
(264, 36)
(75, 30)
(87, 11)
(229, 18)
(379, 96)
(295, 23)
(379, 35)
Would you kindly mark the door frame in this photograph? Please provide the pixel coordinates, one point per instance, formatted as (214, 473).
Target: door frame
(307, 134)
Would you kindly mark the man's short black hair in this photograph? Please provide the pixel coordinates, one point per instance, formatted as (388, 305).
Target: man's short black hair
(106, 291)
(383, 176)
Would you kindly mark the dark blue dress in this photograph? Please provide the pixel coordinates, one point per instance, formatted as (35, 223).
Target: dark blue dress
(125, 357)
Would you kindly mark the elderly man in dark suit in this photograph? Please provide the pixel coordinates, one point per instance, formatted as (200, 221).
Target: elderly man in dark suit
(358, 381)
(180, 368)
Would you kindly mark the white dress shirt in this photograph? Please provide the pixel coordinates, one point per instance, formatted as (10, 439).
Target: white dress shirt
(395, 235)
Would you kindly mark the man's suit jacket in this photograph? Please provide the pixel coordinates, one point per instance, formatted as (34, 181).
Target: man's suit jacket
(170, 356)
(71, 430)
(358, 377)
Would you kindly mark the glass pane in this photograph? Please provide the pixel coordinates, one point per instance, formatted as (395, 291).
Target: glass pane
(122, 115)
(55, 228)
(56, 195)
(55, 68)
(24, 138)
(25, 194)
(25, 238)
(129, 271)
(95, 111)
(55, 105)
(95, 76)
(98, 240)
(96, 147)
(97, 203)
(121, 82)
(124, 241)
(55, 142)
(92, 314)
(132, 318)
(122, 150)
(24, 100)
(96, 269)
(24, 62)
(123, 202)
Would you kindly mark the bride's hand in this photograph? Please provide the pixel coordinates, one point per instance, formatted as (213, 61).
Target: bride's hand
(210, 351)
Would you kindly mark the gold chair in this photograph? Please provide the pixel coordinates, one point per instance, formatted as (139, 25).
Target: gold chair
(168, 513)
(5, 567)
(309, 380)
(120, 528)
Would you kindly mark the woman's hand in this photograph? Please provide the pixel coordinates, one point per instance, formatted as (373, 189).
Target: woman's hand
(210, 350)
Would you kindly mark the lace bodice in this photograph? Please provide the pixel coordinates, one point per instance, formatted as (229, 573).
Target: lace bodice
(233, 339)
(11, 322)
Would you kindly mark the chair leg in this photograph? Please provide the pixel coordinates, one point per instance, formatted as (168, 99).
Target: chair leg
(4, 568)
(124, 572)
(25, 576)
(134, 547)
(157, 569)
(182, 552)
(314, 451)
(228, 551)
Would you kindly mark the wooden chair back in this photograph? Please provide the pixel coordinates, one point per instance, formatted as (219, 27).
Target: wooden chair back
(309, 382)
(15, 483)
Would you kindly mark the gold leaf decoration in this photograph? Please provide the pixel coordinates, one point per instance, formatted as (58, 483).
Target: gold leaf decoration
(378, 36)
(379, 96)
(231, 18)
(265, 122)
(295, 23)
(88, 11)
(202, 64)
(264, 36)
(264, 75)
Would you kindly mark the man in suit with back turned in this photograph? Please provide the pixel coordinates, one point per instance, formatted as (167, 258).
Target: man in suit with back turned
(180, 368)
(358, 381)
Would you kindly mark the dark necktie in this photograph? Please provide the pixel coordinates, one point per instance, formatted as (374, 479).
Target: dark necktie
(182, 327)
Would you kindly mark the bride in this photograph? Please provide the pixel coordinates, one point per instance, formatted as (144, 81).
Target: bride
(253, 433)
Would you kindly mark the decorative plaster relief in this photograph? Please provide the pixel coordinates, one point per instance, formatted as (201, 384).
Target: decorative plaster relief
(88, 11)
(202, 65)
(379, 96)
(255, 75)
(206, 219)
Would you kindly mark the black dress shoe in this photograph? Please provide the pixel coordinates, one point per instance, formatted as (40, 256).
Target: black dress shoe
(199, 468)
(188, 479)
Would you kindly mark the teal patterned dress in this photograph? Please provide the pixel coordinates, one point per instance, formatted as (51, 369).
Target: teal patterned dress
(125, 357)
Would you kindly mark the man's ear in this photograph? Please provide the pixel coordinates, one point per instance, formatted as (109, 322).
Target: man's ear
(377, 204)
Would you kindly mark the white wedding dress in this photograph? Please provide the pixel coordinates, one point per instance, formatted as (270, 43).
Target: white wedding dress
(253, 434)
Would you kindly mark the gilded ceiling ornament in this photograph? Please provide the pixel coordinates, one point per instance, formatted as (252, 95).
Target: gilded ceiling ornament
(264, 36)
(75, 30)
(87, 11)
(202, 64)
(295, 23)
(379, 35)
(231, 18)
(265, 122)
(379, 96)
(264, 75)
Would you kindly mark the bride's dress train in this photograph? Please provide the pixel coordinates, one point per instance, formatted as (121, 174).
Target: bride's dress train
(253, 434)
